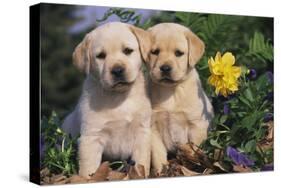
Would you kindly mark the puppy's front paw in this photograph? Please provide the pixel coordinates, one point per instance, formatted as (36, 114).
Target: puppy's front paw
(157, 170)
(86, 171)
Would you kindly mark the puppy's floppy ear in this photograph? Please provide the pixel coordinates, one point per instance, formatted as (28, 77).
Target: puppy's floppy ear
(81, 55)
(144, 41)
(196, 47)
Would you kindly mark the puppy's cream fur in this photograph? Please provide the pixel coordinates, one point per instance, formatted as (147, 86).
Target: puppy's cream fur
(113, 118)
(181, 110)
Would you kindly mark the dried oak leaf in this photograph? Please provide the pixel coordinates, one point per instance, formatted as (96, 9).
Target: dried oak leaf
(76, 179)
(58, 179)
(115, 175)
(45, 172)
(218, 154)
(102, 173)
(240, 168)
(171, 170)
(194, 154)
(267, 141)
(187, 172)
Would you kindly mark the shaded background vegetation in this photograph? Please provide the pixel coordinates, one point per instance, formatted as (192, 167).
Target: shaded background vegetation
(64, 26)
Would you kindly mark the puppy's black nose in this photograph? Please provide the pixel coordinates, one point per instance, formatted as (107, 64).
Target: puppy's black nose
(166, 68)
(117, 71)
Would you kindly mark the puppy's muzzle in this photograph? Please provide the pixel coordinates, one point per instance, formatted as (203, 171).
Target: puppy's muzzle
(118, 73)
(165, 70)
(120, 82)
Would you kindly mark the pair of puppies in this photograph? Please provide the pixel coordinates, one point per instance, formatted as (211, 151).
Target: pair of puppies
(116, 116)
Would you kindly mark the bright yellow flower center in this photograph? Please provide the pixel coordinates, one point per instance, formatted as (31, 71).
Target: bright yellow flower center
(224, 75)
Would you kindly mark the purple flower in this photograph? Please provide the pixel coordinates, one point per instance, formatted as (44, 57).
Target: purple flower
(270, 76)
(252, 74)
(268, 117)
(238, 158)
(226, 109)
(267, 167)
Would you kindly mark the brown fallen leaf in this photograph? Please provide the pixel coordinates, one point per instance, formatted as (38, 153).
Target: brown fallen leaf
(218, 154)
(240, 168)
(187, 172)
(61, 182)
(217, 164)
(58, 178)
(101, 173)
(173, 169)
(46, 180)
(76, 179)
(115, 175)
(195, 155)
(136, 172)
(45, 172)
(208, 171)
(188, 152)
(267, 142)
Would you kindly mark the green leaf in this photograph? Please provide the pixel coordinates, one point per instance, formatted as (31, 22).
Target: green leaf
(260, 48)
(245, 101)
(262, 82)
(215, 143)
(223, 118)
(250, 146)
(249, 95)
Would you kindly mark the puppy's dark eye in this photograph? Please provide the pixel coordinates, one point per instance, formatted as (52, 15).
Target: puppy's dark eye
(155, 52)
(101, 55)
(127, 51)
(178, 53)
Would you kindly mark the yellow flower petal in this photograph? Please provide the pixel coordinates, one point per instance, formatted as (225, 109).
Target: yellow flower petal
(228, 59)
(224, 75)
(218, 57)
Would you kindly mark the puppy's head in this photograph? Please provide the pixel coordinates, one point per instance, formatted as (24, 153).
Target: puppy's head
(113, 54)
(174, 51)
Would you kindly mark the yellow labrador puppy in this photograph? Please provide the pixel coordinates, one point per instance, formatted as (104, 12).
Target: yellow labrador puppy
(113, 114)
(181, 110)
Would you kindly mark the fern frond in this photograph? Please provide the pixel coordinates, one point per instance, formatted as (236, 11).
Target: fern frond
(261, 49)
(215, 25)
(192, 20)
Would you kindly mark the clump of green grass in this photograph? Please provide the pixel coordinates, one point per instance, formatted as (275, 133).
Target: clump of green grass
(58, 149)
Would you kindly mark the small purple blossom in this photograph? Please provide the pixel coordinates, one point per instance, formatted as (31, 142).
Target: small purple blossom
(268, 117)
(238, 158)
(226, 109)
(270, 76)
(267, 167)
(252, 74)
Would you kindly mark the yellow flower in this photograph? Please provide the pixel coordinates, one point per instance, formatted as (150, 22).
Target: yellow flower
(224, 75)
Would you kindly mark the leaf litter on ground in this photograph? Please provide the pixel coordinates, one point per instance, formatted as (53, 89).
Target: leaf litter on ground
(189, 160)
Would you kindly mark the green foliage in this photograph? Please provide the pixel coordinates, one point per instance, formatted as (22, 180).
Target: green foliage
(124, 15)
(59, 149)
(244, 126)
(260, 48)
(248, 38)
